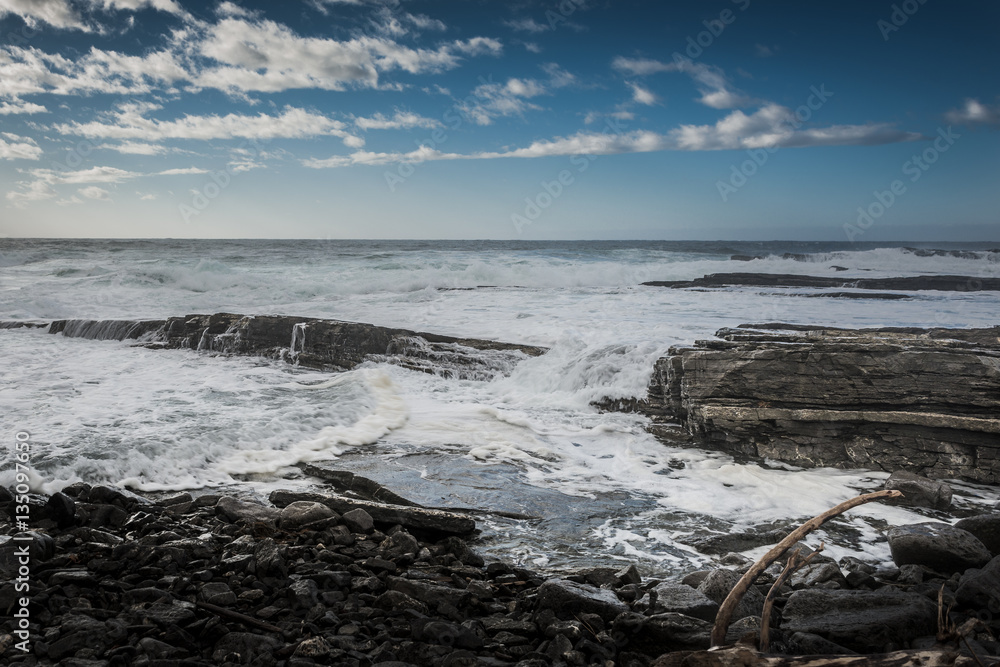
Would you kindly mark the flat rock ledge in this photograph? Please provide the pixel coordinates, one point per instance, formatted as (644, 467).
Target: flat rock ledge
(781, 280)
(121, 580)
(923, 400)
(315, 343)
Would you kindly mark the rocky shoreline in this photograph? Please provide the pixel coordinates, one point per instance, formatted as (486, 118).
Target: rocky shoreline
(118, 579)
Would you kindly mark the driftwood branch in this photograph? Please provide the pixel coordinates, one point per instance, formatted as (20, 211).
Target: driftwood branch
(744, 656)
(237, 616)
(729, 605)
(793, 564)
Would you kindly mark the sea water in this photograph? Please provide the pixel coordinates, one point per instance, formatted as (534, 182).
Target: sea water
(603, 489)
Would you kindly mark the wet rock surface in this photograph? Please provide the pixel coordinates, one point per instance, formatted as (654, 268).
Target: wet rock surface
(121, 580)
(921, 400)
(311, 342)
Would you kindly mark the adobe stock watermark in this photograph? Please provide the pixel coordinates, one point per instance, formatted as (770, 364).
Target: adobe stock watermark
(22, 36)
(741, 174)
(220, 180)
(565, 9)
(551, 190)
(915, 168)
(901, 13)
(22, 516)
(714, 28)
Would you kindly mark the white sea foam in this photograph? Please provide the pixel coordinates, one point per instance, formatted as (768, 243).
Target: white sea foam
(170, 419)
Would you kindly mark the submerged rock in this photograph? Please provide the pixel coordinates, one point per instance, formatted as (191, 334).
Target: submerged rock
(919, 491)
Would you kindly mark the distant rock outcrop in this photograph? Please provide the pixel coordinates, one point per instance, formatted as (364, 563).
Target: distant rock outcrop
(906, 283)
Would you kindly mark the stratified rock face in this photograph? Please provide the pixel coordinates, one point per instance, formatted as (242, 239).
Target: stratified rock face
(324, 344)
(924, 400)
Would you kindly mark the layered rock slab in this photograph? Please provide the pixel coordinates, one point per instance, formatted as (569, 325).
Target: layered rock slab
(923, 400)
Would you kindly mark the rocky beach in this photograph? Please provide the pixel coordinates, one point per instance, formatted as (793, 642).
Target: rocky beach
(118, 579)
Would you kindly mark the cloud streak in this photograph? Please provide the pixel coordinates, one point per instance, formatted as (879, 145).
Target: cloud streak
(771, 126)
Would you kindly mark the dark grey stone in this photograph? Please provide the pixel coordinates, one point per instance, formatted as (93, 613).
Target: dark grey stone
(682, 599)
(986, 527)
(719, 583)
(569, 597)
(300, 514)
(236, 510)
(939, 546)
(980, 589)
(863, 621)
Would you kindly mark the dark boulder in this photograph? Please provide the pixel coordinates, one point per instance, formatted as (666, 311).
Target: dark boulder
(569, 597)
(939, 546)
(986, 527)
(864, 621)
(717, 585)
(680, 599)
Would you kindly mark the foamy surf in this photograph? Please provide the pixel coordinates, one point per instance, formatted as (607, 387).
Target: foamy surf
(108, 412)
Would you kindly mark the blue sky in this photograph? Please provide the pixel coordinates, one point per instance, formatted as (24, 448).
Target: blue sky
(723, 119)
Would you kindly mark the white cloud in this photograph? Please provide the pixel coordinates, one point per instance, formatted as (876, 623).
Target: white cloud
(244, 164)
(17, 106)
(770, 126)
(62, 14)
(94, 192)
(16, 147)
(640, 66)
(32, 191)
(716, 90)
(264, 56)
(975, 113)
(169, 6)
(135, 148)
(146, 197)
(479, 46)
(642, 95)
(183, 171)
(130, 123)
(532, 47)
(526, 25)
(57, 13)
(29, 70)
(238, 54)
(425, 22)
(492, 100)
(400, 120)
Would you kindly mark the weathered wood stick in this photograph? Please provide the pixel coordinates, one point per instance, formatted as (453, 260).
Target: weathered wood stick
(791, 566)
(729, 605)
(744, 656)
(237, 616)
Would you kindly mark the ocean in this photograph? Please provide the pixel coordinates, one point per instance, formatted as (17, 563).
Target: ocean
(530, 440)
